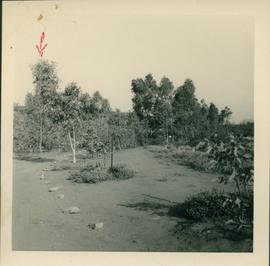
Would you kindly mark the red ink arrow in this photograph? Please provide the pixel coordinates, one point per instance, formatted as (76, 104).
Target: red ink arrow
(40, 48)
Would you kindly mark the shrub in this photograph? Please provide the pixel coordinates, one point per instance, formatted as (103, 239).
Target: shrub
(95, 174)
(121, 172)
(215, 205)
(89, 176)
(235, 160)
(194, 159)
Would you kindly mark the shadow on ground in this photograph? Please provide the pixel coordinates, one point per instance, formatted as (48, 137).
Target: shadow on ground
(34, 158)
(204, 236)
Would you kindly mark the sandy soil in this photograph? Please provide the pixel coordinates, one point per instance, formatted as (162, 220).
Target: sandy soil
(39, 224)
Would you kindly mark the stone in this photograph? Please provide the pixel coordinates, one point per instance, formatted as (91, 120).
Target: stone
(53, 189)
(96, 226)
(72, 210)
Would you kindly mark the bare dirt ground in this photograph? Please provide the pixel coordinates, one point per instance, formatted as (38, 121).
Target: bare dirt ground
(132, 210)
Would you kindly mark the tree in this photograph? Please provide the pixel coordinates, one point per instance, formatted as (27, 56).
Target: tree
(225, 115)
(144, 94)
(213, 115)
(25, 138)
(184, 104)
(163, 108)
(71, 110)
(152, 104)
(46, 85)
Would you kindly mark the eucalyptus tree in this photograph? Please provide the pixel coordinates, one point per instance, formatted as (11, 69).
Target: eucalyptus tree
(152, 104)
(71, 114)
(46, 84)
(183, 107)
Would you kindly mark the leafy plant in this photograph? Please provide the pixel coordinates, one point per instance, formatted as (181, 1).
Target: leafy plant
(235, 160)
(121, 172)
(215, 205)
(96, 173)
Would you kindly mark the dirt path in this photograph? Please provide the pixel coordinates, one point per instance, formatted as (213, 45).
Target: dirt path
(39, 224)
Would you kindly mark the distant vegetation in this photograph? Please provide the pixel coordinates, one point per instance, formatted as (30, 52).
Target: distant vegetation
(70, 119)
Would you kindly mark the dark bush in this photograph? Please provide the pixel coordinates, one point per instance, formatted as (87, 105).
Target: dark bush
(95, 174)
(215, 205)
(121, 172)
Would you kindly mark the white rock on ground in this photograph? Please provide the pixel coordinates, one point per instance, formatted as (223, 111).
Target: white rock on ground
(42, 177)
(53, 189)
(96, 226)
(72, 210)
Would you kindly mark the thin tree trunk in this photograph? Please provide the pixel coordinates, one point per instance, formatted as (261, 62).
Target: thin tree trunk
(112, 140)
(167, 136)
(72, 145)
(104, 158)
(40, 135)
(59, 139)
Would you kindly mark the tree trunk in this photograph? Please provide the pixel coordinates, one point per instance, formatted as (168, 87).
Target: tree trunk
(40, 135)
(73, 145)
(59, 139)
(112, 143)
(104, 158)
(167, 137)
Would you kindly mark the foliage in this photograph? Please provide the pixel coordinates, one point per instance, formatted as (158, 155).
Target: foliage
(245, 129)
(40, 104)
(234, 159)
(183, 155)
(152, 104)
(90, 174)
(175, 115)
(121, 172)
(95, 173)
(215, 205)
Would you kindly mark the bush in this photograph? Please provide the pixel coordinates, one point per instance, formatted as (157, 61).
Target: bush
(121, 172)
(95, 174)
(215, 205)
(89, 173)
(194, 159)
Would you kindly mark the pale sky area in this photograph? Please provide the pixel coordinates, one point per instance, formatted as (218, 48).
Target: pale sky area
(105, 50)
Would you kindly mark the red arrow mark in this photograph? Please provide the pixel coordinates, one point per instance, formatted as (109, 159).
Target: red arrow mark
(41, 49)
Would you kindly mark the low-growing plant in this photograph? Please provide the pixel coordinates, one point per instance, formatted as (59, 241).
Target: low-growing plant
(194, 159)
(121, 172)
(216, 205)
(235, 160)
(91, 173)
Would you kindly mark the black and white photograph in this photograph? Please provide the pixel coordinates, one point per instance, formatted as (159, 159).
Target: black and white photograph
(131, 131)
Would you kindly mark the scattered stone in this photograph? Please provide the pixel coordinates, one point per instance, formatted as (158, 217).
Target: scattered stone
(60, 196)
(71, 210)
(46, 169)
(53, 189)
(96, 226)
(42, 177)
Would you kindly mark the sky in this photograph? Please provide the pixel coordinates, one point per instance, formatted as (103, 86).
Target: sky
(102, 49)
